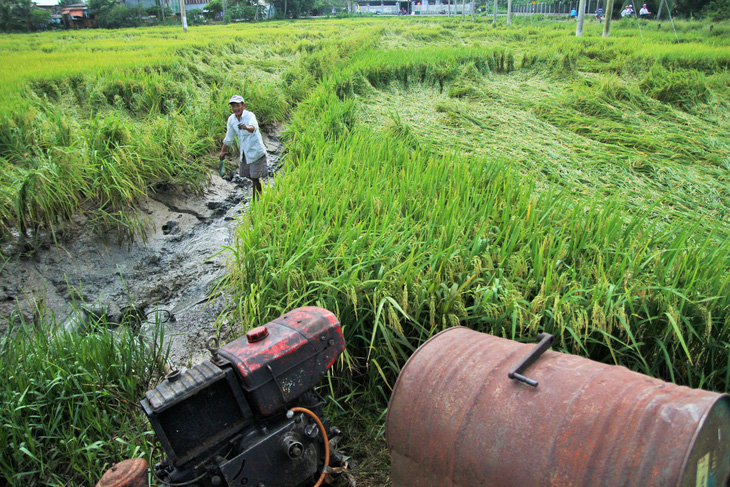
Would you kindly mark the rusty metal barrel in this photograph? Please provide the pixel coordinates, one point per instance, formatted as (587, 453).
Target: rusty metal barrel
(456, 418)
(128, 473)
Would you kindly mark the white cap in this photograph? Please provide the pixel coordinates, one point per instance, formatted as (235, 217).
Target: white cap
(236, 99)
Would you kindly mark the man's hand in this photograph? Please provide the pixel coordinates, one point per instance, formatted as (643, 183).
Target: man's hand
(222, 165)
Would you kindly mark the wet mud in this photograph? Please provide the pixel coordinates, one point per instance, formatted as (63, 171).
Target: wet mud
(170, 277)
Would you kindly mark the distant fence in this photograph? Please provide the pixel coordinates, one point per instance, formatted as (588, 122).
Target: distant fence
(436, 8)
(556, 8)
(424, 9)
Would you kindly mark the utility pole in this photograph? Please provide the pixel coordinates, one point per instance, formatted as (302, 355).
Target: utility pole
(463, 10)
(494, 21)
(607, 22)
(509, 12)
(183, 16)
(581, 15)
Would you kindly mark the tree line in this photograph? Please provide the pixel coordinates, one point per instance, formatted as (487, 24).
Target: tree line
(26, 16)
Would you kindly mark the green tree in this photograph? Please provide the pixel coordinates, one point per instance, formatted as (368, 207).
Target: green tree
(5, 13)
(213, 9)
(195, 16)
(118, 17)
(101, 8)
(293, 8)
(718, 10)
(324, 7)
(241, 12)
(21, 16)
(110, 15)
(40, 18)
(685, 8)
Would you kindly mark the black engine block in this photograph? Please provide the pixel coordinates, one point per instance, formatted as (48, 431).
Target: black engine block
(250, 416)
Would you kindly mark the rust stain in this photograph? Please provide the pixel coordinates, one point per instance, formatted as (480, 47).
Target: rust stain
(129, 473)
(456, 419)
(297, 351)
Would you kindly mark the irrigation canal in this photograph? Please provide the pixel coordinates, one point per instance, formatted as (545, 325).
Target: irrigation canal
(171, 275)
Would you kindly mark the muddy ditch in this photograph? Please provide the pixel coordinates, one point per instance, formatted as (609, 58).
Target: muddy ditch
(169, 277)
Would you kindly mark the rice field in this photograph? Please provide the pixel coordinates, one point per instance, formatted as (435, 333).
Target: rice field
(515, 180)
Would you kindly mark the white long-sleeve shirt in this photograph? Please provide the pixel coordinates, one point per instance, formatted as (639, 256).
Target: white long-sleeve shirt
(250, 143)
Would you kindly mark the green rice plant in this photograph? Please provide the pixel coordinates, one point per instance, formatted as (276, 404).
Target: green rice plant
(267, 99)
(334, 244)
(703, 57)
(136, 127)
(46, 194)
(70, 402)
(511, 179)
(335, 118)
(14, 141)
(397, 129)
(683, 89)
(278, 71)
(604, 276)
(597, 135)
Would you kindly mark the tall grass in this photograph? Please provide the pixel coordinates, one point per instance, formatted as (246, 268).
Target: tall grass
(169, 91)
(70, 402)
(401, 244)
(135, 120)
(402, 239)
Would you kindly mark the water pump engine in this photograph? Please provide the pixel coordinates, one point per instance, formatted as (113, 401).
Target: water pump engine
(250, 416)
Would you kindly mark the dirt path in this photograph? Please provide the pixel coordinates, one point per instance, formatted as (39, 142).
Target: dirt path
(174, 271)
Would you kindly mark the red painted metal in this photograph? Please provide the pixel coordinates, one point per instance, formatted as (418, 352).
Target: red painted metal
(456, 419)
(129, 473)
(257, 334)
(299, 348)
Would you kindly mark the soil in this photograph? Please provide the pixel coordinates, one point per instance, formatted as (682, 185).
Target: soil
(171, 275)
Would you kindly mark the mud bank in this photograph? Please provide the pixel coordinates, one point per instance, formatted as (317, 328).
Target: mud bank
(169, 277)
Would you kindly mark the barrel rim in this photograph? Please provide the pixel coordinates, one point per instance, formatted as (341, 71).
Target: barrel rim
(723, 397)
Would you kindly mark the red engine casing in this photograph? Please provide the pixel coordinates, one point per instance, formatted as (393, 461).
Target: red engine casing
(285, 358)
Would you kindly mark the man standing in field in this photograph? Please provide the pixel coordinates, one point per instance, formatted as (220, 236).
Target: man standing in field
(243, 124)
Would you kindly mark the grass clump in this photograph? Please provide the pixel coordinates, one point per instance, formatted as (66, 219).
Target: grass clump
(683, 89)
(401, 244)
(399, 130)
(70, 402)
(529, 209)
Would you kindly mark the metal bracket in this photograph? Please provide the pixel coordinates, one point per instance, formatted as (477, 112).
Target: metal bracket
(546, 341)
